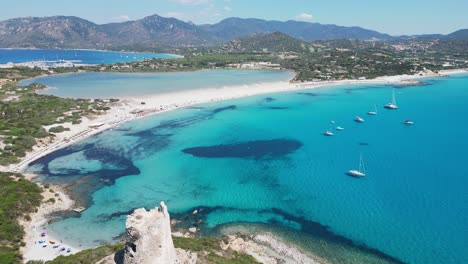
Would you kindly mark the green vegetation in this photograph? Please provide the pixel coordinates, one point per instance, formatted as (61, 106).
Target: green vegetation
(20, 72)
(196, 245)
(349, 59)
(23, 120)
(189, 63)
(209, 250)
(58, 129)
(314, 61)
(24, 113)
(276, 42)
(20, 197)
(9, 255)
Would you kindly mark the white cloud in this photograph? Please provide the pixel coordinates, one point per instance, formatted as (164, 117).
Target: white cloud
(305, 16)
(191, 2)
(177, 15)
(206, 12)
(123, 18)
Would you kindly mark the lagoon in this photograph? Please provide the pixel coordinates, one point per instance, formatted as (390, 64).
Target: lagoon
(119, 85)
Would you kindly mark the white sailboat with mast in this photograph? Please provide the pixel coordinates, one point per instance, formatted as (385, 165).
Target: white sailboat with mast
(392, 105)
(373, 112)
(359, 119)
(329, 132)
(359, 172)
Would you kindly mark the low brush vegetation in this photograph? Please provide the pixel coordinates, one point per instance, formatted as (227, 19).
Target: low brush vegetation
(19, 198)
(209, 251)
(340, 59)
(192, 62)
(20, 72)
(58, 129)
(24, 113)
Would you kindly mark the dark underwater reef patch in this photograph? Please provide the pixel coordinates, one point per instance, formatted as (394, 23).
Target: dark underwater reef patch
(123, 166)
(166, 126)
(278, 107)
(108, 217)
(317, 230)
(221, 109)
(83, 183)
(361, 88)
(409, 84)
(250, 149)
(308, 94)
(322, 231)
(196, 107)
(117, 163)
(269, 99)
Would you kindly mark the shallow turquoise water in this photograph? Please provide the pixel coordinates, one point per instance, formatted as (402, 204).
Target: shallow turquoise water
(105, 85)
(412, 205)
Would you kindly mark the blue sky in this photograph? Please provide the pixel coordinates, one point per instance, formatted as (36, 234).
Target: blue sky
(395, 17)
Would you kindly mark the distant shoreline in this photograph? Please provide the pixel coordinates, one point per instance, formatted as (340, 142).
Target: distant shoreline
(98, 50)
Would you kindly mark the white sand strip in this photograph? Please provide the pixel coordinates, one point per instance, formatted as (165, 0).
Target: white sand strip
(33, 250)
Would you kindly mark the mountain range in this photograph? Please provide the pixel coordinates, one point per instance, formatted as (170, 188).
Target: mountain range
(153, 31)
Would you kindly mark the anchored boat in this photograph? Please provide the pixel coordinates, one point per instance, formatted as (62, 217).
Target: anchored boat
(392, 105)
(359, 172)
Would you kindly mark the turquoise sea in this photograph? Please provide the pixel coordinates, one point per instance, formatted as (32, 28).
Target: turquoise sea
(103, 85)
(263, 160)
(76, 56)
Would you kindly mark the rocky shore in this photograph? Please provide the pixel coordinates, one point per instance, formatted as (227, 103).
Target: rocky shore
(148, 240)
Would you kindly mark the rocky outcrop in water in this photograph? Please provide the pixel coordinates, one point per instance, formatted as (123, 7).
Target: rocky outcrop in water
(148, 237)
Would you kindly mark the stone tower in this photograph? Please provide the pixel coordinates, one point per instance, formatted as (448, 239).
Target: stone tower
(148, 237)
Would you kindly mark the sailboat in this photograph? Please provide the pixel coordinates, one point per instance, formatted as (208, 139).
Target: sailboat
(408, 122)
(329, 132)
(392, 105)
(358, 119)
(357, 173)
(373, 112)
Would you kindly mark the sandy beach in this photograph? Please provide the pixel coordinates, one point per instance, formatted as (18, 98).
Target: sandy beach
(36, 229)
(131, 108)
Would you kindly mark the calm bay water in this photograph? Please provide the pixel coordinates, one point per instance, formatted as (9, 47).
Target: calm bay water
(263, 159)
(103, 85)
(77, 56)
